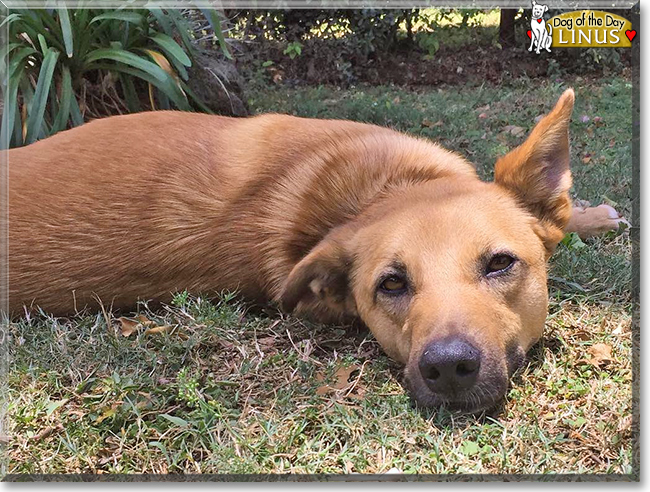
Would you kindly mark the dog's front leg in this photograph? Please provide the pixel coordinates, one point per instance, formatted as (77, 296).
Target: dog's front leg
(539, 43)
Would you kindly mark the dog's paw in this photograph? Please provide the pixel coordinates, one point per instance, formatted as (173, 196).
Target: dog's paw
(595, 221)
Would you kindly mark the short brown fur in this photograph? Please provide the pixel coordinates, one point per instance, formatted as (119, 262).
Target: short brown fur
(306, 213)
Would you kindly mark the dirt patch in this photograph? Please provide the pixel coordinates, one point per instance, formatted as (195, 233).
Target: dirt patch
(458, 67)
(332, 63)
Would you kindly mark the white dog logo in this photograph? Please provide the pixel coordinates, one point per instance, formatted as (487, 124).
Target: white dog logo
(540, 37)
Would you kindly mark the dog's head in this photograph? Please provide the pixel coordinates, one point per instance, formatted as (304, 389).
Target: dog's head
(538, 10)
(450, 274)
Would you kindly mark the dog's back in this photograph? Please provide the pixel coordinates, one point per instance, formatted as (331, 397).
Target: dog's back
(140, 206)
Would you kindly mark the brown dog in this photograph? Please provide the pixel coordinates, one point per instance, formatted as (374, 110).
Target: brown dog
(333, 218)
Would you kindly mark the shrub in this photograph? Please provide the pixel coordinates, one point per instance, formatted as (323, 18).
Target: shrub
(366, 30)
(64, 65)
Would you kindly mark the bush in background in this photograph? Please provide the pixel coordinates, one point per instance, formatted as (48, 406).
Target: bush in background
(64, 66)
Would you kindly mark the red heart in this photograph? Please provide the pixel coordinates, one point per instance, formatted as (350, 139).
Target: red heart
(630, 34)
(539, 21)
(530, 34)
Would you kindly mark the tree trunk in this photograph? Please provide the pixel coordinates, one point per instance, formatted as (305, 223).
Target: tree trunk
(409, 27)
(507, 28)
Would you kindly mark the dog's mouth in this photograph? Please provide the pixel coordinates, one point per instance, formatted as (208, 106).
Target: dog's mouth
(484, 396)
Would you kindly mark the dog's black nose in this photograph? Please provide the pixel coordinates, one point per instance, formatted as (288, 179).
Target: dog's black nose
(450, 365)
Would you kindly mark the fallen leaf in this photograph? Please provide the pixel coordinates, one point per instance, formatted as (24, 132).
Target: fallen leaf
(323, 390)
(586, 159)
(429, 124)
(601, 354)
(54, 405)
(46, 432)
(342, 375)
(266, 341)
(157, 329)
(482, 116)
(513, 130)
(128, 326)
(144, 320)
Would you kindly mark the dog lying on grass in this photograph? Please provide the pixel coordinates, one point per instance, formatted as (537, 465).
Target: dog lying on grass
(335, 219)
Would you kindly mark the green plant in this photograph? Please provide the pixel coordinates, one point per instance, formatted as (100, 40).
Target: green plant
(293, 49)
(572, 241)
(610, 58)
(428, 42)
(64, 65)
(187, 387)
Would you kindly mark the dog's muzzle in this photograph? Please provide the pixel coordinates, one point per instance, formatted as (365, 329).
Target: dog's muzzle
(453, 372)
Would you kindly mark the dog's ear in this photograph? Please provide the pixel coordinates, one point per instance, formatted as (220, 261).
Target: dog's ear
(323, 276)
(545, 8)
(537, 172)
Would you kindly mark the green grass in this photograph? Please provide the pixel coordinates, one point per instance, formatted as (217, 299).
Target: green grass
(452, 117)
(229, 390)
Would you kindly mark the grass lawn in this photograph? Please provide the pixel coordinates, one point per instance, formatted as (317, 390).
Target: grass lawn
(214, 387)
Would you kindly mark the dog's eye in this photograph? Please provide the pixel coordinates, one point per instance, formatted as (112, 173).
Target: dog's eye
(393, 285)
(499, 264)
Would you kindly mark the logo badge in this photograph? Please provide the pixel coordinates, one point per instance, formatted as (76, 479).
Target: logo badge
(578, 29)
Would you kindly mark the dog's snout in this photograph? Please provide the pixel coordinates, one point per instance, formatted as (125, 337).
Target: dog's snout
(449, 366)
